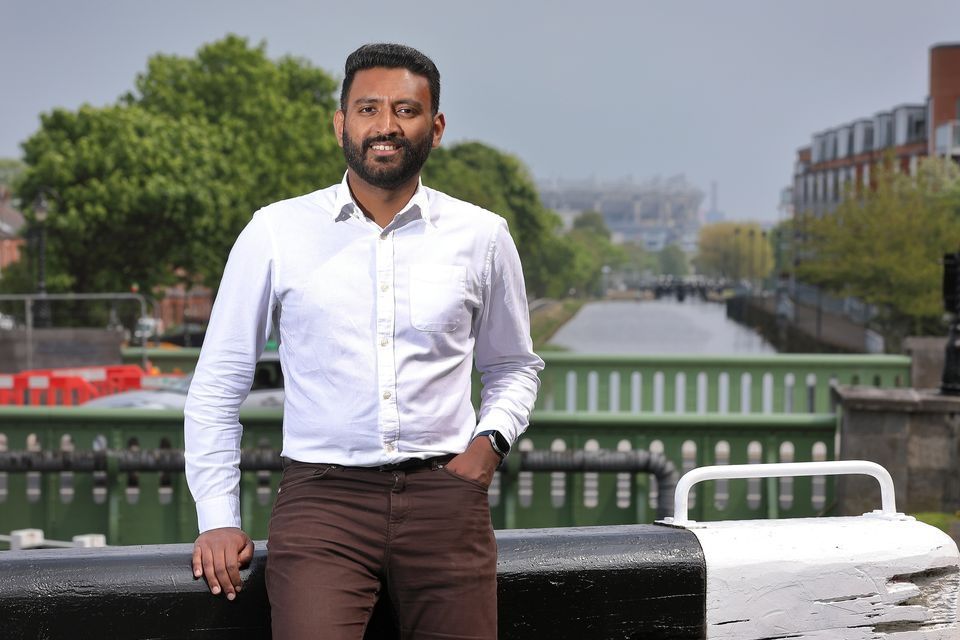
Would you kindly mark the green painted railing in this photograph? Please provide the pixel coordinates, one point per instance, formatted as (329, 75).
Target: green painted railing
(157, 507)
(781, 383)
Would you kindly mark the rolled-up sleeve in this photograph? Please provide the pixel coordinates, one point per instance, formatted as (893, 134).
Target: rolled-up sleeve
(504, 351)
(239, 326)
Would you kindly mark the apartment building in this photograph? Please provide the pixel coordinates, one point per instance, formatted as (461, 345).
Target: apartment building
(843, 157)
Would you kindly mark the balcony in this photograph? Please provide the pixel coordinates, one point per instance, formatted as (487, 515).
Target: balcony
(947, 139)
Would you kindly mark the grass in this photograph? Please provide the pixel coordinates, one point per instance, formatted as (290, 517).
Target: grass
(938, 519)
(547, 320)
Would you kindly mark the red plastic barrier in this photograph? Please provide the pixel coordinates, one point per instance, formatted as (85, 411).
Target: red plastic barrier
(11, 389)
(124, 377)
(38, 387)
(68, 386)
(70, 390)
(95, 376)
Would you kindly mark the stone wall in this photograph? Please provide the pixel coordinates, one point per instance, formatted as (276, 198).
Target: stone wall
(927, 356)
(914, 434)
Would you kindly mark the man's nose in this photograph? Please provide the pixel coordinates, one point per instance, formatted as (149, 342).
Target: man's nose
(387, 123)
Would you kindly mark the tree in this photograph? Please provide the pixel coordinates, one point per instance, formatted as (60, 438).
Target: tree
(596, 255)
(156, 187)
(10, 169)
(497, 181)
(885, 245)
(673, 261)
(275, 115)
(734, 250)
(593, 222)
(162, 182)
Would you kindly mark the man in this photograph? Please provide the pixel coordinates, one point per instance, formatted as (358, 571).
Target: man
(383, 291)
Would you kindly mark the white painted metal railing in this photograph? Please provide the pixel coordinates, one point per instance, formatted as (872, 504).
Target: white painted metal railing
(781, 470)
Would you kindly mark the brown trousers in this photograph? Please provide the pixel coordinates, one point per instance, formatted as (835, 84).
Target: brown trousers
(339, 535)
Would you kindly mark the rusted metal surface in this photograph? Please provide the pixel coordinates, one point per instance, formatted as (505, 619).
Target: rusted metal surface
(642, 581)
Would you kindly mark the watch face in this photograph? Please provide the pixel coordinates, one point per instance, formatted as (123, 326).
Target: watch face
(502, 443)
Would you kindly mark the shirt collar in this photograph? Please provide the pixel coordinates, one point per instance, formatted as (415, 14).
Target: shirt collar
(345, 207)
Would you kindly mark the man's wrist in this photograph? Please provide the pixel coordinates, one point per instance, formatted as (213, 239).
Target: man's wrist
(497, 441)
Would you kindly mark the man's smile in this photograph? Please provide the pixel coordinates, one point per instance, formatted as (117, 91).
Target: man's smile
(385, 149)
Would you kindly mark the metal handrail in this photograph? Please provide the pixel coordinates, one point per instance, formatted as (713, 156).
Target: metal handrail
(780, 470)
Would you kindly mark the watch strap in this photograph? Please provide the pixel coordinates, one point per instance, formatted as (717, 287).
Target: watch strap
(498, 442)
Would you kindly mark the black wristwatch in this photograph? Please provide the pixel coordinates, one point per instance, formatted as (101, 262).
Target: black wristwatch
(499, 444)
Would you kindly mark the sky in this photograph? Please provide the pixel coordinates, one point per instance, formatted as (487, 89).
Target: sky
(721, 90)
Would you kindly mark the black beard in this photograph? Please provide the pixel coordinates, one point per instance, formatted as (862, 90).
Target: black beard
(413, 156)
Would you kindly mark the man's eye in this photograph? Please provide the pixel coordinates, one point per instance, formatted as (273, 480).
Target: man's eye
(367, 110)
(406, 111)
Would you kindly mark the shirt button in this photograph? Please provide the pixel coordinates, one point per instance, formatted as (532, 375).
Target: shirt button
(389, 446)
(386, 395)
(384, 342)
(384, 287)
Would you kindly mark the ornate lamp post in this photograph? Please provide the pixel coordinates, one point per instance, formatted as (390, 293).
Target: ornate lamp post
(42, 306)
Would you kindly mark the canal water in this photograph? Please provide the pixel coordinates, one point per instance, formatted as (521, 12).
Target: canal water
(654, 327)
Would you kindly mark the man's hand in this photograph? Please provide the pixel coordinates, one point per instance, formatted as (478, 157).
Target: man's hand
(477, 463)
(218, 555)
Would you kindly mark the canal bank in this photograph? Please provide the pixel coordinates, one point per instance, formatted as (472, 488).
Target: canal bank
(548, 316)
(802, 328)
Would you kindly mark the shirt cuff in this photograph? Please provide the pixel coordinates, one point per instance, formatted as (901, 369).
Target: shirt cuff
(218, 512)
(496, 420)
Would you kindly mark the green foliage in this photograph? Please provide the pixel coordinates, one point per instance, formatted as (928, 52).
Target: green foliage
(499, 182)
(157, 186)
(275, 115)
(782, 243)
(593, 222)
(734, 250)
(638, 262)
(161, 183)
(9, 170)
(133, 195)
(884, 246)
(940, 520)
(673, 261)
(591, 254)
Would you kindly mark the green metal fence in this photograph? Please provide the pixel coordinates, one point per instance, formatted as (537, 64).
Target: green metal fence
(157, 507)
(780, 383)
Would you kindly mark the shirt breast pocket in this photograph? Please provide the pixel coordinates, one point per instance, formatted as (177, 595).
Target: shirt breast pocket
(437, 293)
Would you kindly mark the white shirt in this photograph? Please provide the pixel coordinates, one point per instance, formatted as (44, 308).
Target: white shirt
(378, 332)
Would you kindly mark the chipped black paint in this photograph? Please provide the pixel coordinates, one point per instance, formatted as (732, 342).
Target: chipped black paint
(629, 582)
(605, 583)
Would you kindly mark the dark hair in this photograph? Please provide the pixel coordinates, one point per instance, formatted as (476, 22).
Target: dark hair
(391, 56)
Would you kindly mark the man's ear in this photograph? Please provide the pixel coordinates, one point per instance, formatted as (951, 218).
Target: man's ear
(338, 120)
(439, 124)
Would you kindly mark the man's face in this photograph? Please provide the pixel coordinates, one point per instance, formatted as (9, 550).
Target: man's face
(386, 129)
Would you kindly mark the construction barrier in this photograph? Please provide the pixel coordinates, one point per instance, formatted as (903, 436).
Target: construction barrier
(69, 386)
